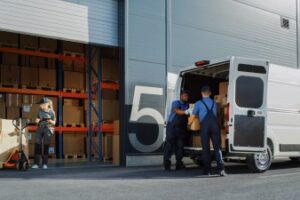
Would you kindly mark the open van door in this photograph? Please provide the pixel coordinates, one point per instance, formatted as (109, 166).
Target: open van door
(248, 80)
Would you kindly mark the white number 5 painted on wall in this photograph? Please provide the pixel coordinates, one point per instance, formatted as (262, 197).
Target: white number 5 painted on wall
(136, 114)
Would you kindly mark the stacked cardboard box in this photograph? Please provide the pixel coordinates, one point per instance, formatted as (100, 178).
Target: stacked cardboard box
(110, 70)
(73, 115)
(28, 42)
(47, 78)
(10, 59)
(48, 44)
(74, 144)
(74, 80)
(2, 110)
(107, 146)
(73, 47)
(116, 143)
(13, 104)
(10, 75)
(27, 78)
(8, 39)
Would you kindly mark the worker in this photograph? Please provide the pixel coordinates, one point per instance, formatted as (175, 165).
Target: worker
(176, 131)
(46, 120)
(206, 111)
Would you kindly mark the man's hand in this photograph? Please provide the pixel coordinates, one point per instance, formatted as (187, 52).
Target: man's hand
(51, 121)
(37, 120)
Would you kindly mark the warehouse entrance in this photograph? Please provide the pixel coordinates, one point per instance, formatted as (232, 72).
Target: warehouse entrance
(81, 80)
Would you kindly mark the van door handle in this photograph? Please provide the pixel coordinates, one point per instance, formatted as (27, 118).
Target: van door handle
(250, 113)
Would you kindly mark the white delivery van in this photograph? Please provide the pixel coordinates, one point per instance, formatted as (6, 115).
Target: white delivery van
(258, 110)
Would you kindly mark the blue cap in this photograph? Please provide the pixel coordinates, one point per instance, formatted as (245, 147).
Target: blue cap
(44, 100)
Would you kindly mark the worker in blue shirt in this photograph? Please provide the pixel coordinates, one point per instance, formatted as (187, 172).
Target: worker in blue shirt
(176, 131)
(206, 111)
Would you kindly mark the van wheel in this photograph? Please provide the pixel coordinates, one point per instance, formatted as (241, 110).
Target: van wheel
(295, 159)
(260, 162)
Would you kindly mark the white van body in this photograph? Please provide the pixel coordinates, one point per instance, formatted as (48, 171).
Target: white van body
(266, 129)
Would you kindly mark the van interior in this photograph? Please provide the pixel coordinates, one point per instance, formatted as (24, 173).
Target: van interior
(216, 76)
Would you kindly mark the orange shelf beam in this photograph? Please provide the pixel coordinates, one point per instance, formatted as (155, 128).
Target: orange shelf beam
(43, 54)
(30, 91)
(110, 86)
(106, 128)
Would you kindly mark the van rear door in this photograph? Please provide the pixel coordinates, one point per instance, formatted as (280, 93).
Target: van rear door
(248, 80)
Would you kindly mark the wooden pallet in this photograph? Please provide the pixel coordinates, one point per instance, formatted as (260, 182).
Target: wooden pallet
(8, 45)
(74, 125)
(73, 54)
(73, 90)
(30, 48)
(74, 156)
(38, 87)
(9, 85)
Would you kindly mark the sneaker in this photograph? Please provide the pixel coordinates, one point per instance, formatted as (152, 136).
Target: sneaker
(45, 167)
(35, 166)
(167, 165)
(206, 174)
(180, 166)
(222, 173)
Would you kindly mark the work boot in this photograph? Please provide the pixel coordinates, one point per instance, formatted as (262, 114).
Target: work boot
(167, 165)
(180, 165)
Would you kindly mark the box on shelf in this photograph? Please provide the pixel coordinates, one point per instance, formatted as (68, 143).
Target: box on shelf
(31, 99)
(48, 44)
(12, 112)
(221, 99)
(74, 80)
(110, 110)
(73, 115)
(110, 70)
(107, 146)
(79, 67)
(51, 63)
(71, 102)
(73, 47)
(10, 59)
(47, 78)
(35, 61)
(30, 111)
(9, 39)
(116, 143)
(2, 110)
(13, 100)
(223, 88)
(28, 78)
(10, 75)
(109, 94)
(28, 42)
(2, 97)
(68, 65)
(74, 143)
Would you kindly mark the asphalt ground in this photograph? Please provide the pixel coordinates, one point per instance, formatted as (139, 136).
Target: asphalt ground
(104, 181)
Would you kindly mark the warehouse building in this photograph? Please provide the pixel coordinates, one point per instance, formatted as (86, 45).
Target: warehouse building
(115, 57)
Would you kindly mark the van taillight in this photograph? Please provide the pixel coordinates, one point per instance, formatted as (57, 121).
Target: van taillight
(227, 117)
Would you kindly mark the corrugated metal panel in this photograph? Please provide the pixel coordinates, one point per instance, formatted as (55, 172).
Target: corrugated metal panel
(94, 21)
(214, 28)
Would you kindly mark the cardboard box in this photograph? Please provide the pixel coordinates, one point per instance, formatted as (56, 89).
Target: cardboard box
(71, 102)
(2, 97)
(68, 65)
(110, 70)
(109, 94)
(51, 63)
(10, 59)
(107, 146)
(223, 88)
(31, 99)
(74, 80)
(116, 149)
(74, 143)
(28, 41)
(30, 111)
(13, 112)
(221, 99)
(35, 61)
(110, 110)
(48, 44)
(73, 115)
(9, 39)
(73, 47)
(13, 100)
(47, 78)
(27, 78)
(79, 67)
(116, 127)
(2, 110)
(10, 75)
(196, 141)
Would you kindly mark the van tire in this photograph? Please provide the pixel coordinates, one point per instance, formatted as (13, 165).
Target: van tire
(260, 162)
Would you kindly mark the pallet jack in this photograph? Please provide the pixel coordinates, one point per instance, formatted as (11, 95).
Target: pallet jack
(17, 159)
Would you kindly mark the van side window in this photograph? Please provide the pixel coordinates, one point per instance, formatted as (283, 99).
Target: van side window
(249, 92)
(252, 69)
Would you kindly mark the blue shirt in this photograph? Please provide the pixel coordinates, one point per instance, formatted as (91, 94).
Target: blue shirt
(177, 104)
(200, 109)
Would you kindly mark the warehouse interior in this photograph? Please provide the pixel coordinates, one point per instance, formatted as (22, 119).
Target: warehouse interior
(81, 80)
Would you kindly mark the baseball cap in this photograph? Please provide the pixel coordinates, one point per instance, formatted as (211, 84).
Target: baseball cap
(44, 100)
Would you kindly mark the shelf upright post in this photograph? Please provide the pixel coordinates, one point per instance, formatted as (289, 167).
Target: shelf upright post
(90, 129)
(60, 85)
(99, 96)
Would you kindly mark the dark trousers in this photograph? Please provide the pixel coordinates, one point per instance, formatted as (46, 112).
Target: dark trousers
(43, 133)
(210, 131)
(174, 140)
